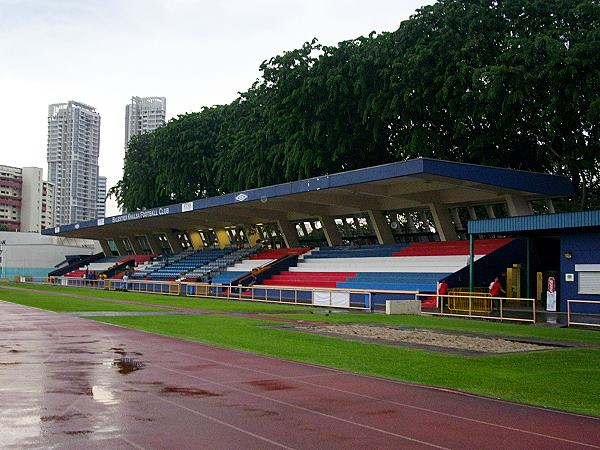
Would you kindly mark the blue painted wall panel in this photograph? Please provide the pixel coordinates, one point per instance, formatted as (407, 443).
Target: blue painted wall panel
(585, 247)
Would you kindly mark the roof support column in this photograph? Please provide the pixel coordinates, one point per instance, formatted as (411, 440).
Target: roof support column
(223, 237)
(153, 243)
(289, 233)
(137, 248)
(472, 213)
(251, 234)
(173, 241)
(105, 247)
(331, 231)
(456, 218)
(120, 246)
(381, 227)
(518, 206)
(195, 239)
(411, 223)
(550, 206)
(443, 224)
(490, 211)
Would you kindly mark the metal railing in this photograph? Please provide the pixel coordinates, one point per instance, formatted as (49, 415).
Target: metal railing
(571, 313)
(456, 304)
(479, 306)
(357, 299)
(294, 295)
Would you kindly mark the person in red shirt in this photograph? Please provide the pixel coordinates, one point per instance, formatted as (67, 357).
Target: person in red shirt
(443, 292)
(495, 290)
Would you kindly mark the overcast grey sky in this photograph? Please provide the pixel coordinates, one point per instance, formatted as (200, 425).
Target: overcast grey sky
(196, 53)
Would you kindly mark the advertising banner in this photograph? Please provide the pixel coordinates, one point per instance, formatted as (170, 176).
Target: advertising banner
(551, 294)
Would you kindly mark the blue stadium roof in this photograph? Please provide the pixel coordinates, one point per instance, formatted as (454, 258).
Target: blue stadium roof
(546, 222)
(401, 185)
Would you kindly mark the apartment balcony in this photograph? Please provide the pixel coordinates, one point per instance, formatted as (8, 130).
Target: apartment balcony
(8, 201)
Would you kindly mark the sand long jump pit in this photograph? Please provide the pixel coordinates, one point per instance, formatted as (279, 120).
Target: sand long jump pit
(437, 340)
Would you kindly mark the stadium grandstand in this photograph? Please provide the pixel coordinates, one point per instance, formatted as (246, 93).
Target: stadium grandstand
(394, 227)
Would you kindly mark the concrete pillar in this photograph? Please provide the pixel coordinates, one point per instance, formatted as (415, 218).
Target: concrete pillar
(223, 237)
(456, 218)
(252, 235)
(381, 227)
(443, 224)
(195, 239)
(154, 243)
(137, 248)
(472, 213)
(331, 231)
(289, 233)
(424, 219)
(105, 247)
(517, 206)
(410, 222)
(550, 206)
(490, 211)
(174, 241)
(120, 246)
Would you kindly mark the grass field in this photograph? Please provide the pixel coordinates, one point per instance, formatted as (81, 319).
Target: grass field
(565, 378)
(59, 303)
(166, 300)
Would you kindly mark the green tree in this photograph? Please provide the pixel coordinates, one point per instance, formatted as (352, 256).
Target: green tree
(514, 84)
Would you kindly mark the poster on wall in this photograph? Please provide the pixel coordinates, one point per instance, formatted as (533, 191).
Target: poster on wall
(551, 294)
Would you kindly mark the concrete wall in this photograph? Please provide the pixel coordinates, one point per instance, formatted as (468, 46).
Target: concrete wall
(36, 255)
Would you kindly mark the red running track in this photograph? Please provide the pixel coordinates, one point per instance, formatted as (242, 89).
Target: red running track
(63, 385)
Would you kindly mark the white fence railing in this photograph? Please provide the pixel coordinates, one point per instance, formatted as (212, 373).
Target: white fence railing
(593, 318)
(458, 304)
(359, 299)
(479, 306)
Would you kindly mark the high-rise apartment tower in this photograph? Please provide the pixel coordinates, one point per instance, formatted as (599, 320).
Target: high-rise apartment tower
(101, 203)
(144, 114)
(73, 148)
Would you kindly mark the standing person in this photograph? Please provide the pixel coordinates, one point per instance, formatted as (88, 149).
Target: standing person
(125, 279)
(495, 290)
(443, 292)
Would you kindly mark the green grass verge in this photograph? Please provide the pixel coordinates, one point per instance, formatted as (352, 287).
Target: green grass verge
(567, 379)
(67, 304)
(167, 300)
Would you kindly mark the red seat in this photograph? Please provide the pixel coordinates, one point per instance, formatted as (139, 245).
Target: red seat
(451, 248)
(309, 279)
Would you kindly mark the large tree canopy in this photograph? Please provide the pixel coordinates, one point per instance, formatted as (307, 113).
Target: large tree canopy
(514, 84)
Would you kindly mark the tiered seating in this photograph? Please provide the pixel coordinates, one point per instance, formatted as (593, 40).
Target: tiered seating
(481, 246)
(173, 269)
(244, 267)
(98, 266)
(136, 259)
(309, 279)
(416, 267)
(240, 269)
(276, 253)
(365, 251)
(229, 258)
(146, 270)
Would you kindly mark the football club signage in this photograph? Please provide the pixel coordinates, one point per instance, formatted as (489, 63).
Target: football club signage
(145, 214)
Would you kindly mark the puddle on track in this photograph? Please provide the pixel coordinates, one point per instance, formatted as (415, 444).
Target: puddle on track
(127, 365)
(270, 385)
(189, 392)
